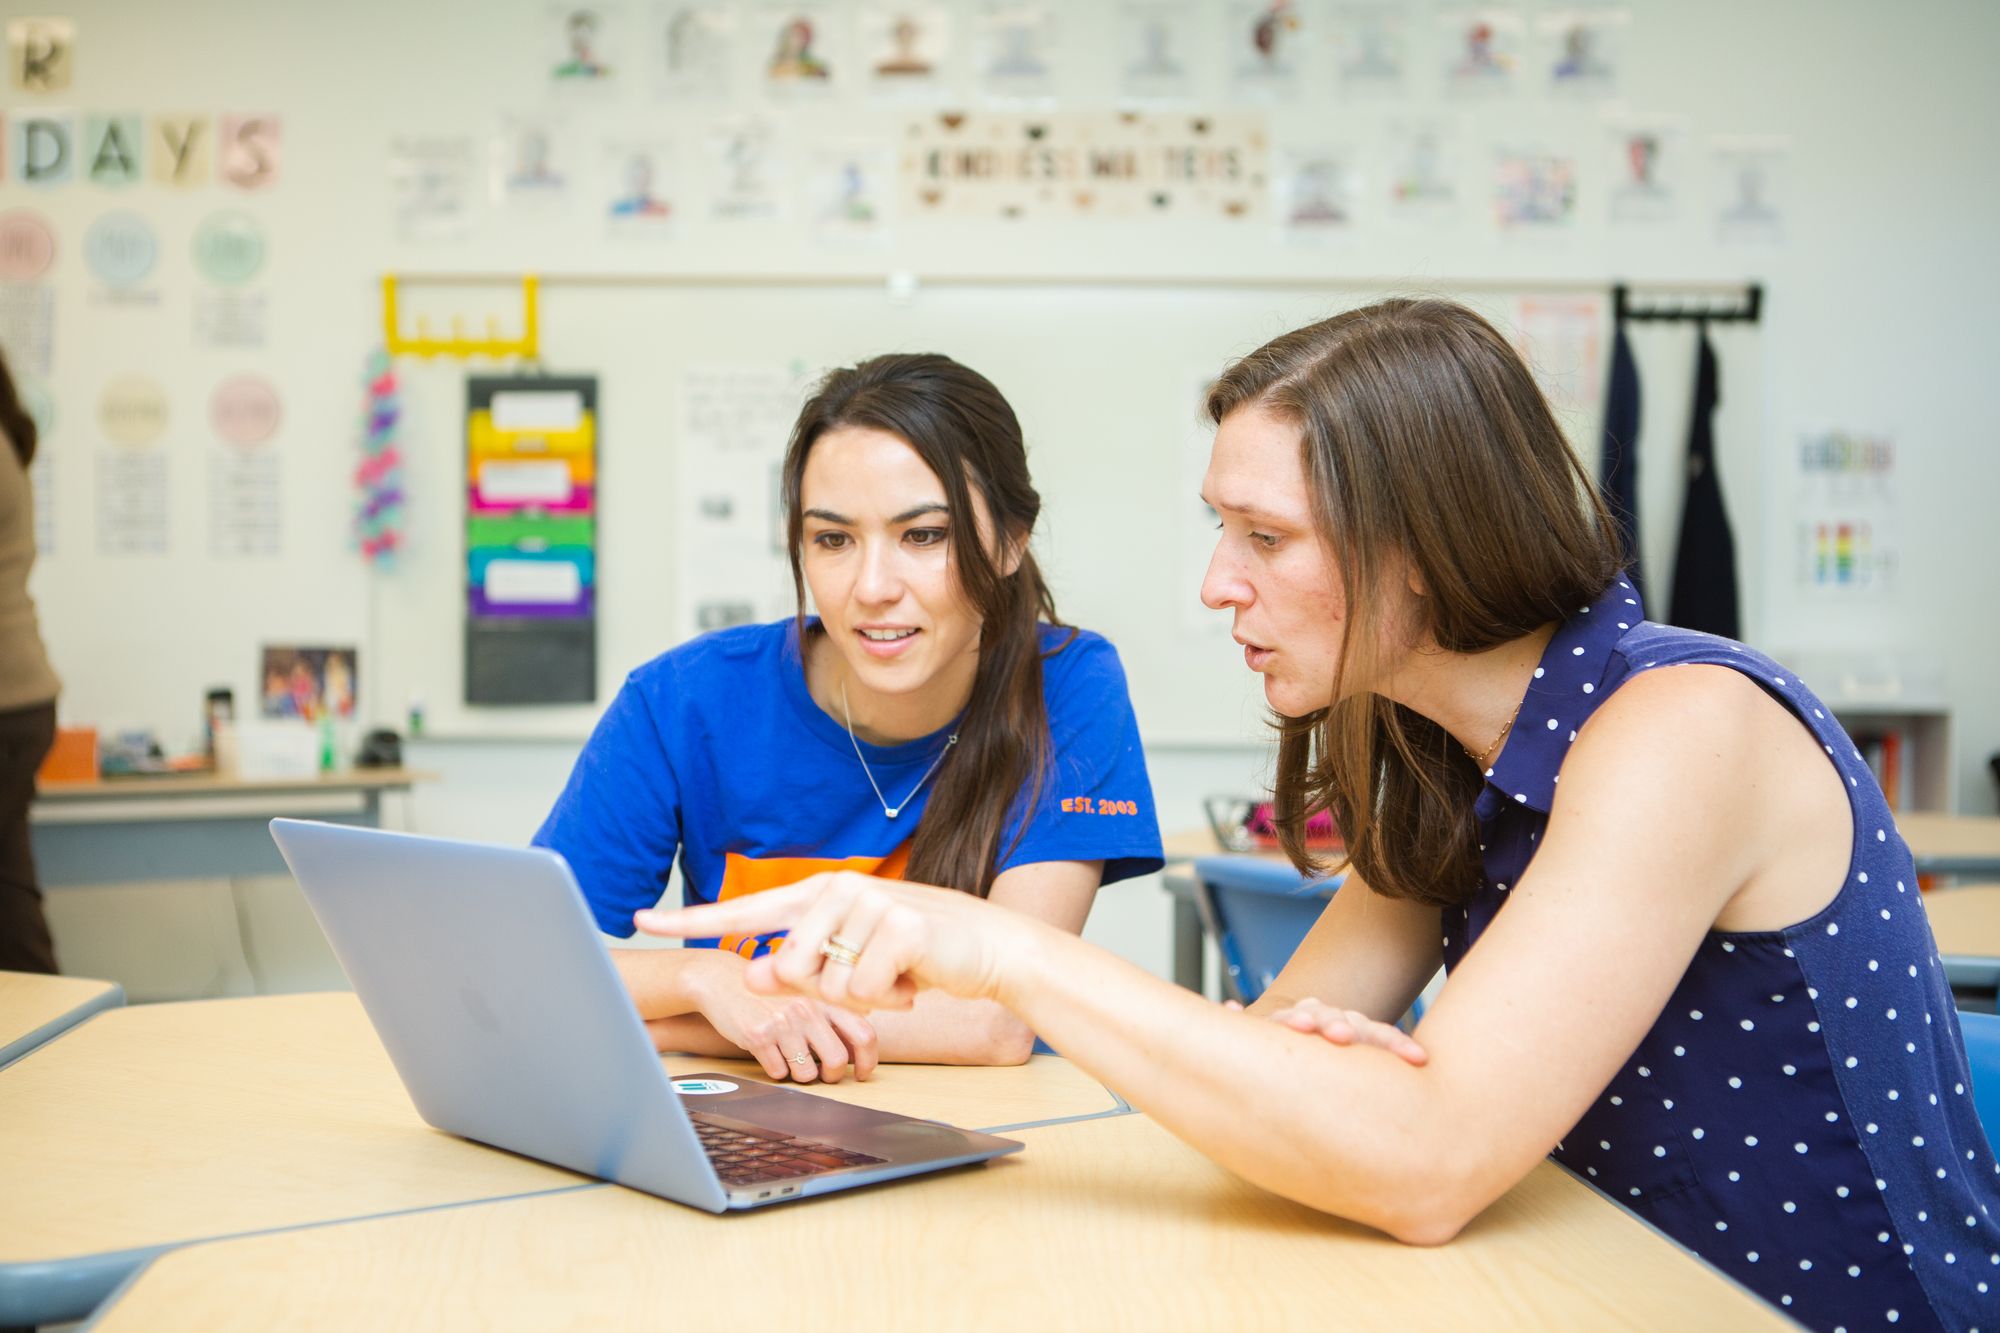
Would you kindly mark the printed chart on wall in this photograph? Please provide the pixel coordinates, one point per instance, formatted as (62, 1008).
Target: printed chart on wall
(531, 540)
(732, 567)
(1849, 542)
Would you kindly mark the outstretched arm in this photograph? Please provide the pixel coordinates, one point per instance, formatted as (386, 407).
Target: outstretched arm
(945, 1029)
(1560, 990)
(680, 992)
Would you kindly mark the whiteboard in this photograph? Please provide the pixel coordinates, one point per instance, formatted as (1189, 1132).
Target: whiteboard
(1108, 395)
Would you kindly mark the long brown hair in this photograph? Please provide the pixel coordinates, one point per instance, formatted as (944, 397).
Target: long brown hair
(965, 432)
(15, 423)
(1429, 448)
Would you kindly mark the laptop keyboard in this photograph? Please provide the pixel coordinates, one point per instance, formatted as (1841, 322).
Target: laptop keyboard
(745, 1154)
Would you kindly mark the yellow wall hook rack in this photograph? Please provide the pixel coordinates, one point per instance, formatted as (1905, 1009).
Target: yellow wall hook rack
(527, 346)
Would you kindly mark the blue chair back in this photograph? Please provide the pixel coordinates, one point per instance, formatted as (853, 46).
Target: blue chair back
(1257, 910)
(1982, 1052)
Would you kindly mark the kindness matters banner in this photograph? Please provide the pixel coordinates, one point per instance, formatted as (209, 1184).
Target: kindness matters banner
(1120, 164)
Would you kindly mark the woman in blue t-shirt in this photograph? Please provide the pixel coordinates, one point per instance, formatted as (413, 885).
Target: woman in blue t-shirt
(932, 721)
(1687, 954)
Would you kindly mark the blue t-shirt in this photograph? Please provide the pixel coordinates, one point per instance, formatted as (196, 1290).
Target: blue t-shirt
(716, 752)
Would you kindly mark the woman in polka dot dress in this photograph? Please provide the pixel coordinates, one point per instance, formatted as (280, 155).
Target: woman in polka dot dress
(1686, 951)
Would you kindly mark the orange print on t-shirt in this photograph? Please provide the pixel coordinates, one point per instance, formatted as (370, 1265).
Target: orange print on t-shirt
(749, 874)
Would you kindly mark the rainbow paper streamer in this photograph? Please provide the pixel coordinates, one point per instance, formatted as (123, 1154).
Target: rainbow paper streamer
(378, 478)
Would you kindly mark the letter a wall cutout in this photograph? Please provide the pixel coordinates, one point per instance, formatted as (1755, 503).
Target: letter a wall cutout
(112, 150)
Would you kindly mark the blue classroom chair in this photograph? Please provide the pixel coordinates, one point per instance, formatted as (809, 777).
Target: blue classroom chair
(1982, 1052)
(1256, 910)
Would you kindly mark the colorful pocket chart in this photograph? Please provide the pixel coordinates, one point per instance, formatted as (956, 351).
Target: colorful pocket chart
(531, 539)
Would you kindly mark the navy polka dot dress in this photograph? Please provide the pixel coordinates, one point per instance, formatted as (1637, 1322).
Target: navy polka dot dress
(1800, 1114)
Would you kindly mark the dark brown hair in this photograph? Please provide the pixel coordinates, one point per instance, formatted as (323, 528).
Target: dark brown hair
(964, 431)
(15, 423)
(1429, 448)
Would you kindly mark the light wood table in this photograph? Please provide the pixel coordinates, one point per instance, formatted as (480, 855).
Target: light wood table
(155, 1126)
(1111, 1224)
(1966, 922)
(1952, 844)
(35, 1007)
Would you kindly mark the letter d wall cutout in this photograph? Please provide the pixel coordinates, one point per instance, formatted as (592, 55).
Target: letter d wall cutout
(43, 149)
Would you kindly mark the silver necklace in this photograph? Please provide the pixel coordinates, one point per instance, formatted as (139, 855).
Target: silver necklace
(890, 810)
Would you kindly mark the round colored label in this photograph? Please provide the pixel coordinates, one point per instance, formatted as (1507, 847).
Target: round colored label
(702, 1087)
(244, 410)
(27, 246)
(120, 248)
(229, 248)
(133, 410)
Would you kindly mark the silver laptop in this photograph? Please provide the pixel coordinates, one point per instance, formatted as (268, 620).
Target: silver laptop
(486, 979)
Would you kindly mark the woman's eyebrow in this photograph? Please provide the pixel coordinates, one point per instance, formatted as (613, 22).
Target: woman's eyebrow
(1255, 513)
(908, 515)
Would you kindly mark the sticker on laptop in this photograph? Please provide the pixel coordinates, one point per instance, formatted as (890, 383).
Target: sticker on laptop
(702, 1087)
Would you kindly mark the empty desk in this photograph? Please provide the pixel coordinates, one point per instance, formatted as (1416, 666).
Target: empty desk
(34, 1008)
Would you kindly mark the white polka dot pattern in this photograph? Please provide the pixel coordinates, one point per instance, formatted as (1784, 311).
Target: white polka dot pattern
(1787, 1073)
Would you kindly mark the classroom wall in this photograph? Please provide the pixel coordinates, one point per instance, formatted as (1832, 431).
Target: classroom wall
(1875, 321)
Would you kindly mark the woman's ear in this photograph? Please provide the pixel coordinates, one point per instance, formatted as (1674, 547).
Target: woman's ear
(1012, 552)
(1414, 579)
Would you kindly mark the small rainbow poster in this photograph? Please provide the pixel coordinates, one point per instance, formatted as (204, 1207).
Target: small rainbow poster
(531, 539)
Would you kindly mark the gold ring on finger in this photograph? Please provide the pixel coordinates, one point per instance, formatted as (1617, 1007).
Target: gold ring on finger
(840, 951)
